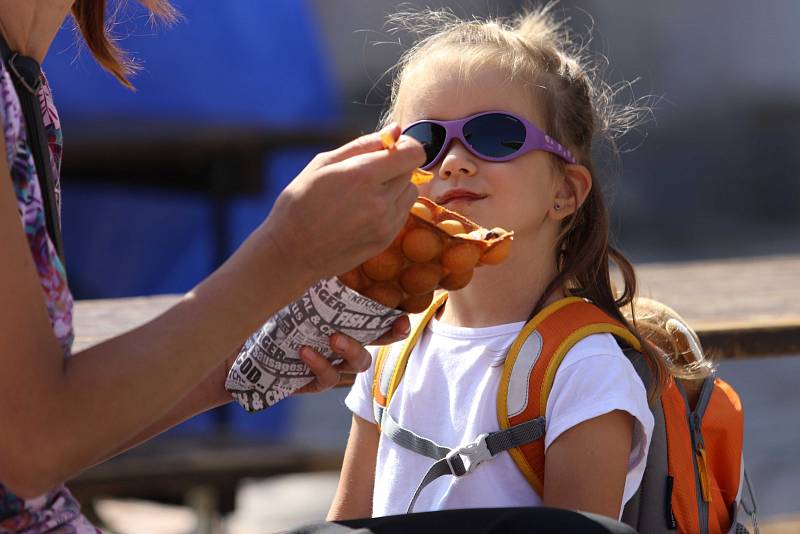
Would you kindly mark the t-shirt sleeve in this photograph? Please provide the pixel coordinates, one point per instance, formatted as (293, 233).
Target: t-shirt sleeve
(359, 399)
(596, 378)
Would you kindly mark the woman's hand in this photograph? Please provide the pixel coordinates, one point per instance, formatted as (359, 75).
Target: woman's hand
(346, 206)
(355, 358)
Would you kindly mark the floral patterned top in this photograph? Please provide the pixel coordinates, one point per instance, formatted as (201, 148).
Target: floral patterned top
(56, 511)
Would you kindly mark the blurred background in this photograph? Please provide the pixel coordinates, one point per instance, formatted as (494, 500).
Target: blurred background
(163, 183)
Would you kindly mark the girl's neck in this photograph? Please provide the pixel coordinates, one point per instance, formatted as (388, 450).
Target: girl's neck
(29, 27)
(504, 293)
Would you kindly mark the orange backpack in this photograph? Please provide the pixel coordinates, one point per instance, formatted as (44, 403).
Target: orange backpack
(694, 475)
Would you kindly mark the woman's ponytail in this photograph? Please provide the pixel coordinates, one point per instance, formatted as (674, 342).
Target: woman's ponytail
(90, 17)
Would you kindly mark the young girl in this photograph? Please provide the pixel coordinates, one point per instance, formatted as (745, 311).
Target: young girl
(487, 100)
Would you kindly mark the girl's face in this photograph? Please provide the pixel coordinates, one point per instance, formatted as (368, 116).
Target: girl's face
(517, 194)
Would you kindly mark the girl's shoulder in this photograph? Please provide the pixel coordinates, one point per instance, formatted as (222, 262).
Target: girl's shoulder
(594, 345)
(598, 366)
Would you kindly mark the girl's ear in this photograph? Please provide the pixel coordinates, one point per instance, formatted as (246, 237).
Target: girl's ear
(572, 191)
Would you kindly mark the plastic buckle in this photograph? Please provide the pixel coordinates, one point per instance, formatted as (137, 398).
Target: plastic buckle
(471, 455)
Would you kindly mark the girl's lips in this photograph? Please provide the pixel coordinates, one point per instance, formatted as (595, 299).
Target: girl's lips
(458, 195)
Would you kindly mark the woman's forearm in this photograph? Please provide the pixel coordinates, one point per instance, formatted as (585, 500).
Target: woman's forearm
(118, 392)
(208, 395)
(70, 413)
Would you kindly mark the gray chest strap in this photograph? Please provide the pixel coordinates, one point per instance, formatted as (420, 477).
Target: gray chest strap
(457, 462)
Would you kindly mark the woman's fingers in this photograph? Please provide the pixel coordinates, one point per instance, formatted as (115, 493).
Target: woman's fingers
(361, 145)
(339, 212)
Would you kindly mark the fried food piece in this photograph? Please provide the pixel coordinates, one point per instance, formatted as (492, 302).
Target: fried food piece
(385, 293)
(417, 303)
(387, 140)
(419, 177)
(452, 226)
(454, 281)
(421, 278)
(422, 211)
(384, 266)
(436, 249)
(496, 254)
(421, 245)
(353, 279)
(461, 257)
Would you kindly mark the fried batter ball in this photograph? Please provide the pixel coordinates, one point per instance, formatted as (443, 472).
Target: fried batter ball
(421, 278)
(421, 245)
(384, 266)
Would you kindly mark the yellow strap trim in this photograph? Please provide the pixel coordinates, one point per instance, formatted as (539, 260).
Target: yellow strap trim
(558, 357)
(380, 360)
(502, 391)
(408, 346)
(513, 352)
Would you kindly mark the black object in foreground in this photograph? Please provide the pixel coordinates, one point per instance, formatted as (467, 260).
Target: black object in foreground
(533, 520)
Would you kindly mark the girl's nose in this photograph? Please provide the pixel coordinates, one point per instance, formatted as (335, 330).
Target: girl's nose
(457, 162)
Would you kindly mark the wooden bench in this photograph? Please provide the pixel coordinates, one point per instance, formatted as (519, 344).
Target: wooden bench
(742, 308)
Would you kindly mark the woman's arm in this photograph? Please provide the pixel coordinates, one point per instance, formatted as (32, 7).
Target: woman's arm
(69, 413)
(354, 495)
(211, 393)
(586, 466)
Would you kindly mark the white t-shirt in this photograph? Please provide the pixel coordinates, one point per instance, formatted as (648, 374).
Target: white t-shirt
(448, 394)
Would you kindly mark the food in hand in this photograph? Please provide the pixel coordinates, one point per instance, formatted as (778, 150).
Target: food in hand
(451, 226)
(354, 279)
(421, 244)
(417, 303)
(384, 266)
(436, 249)
(496, 254)
(454, 281)
(421, 278)
(386, 293)
(422, 211)
(418, 176)
(461, 257)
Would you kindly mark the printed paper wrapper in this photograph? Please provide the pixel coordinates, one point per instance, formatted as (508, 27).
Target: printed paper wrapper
(269, 369)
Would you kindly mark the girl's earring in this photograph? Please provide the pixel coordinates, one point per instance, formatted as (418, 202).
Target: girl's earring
(557, 206)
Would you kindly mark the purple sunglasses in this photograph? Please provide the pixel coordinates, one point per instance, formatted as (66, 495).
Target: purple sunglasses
(490, 135)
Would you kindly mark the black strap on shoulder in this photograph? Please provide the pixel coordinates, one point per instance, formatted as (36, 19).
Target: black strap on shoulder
(27, 77)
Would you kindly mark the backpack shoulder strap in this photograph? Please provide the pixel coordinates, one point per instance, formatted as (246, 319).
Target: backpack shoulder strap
(391, 360)
(531, 365)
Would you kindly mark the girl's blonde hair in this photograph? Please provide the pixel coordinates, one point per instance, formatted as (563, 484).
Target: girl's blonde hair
(538, 52)
(672, 337)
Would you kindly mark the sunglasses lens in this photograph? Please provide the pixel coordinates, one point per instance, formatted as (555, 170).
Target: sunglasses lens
(431, 136)
(495, 135)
